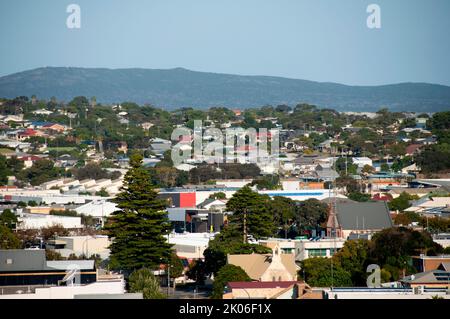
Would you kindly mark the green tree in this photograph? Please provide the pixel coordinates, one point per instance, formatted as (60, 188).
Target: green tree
(8, 240)
(102, 192)
(317, 273)
(440, 126)
(52, 231)
(53, 255)
(267, 182)
(4, 170)
(225, 275)
(367, 169)
(341, 166)
(359, 197)
(349, 183)
(8, 219)
(283, 209)
(91, 171)
(311, 213)
(176, 267)
(138, 227)
(197, 271)
(251, 213)
(144, 281)
(218, 195)
(42, 171)
(353, 258)
(394, 246)
(402, 202)
(434, 158)
(164, 176)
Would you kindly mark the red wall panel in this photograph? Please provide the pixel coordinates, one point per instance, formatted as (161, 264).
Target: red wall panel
(187, 199)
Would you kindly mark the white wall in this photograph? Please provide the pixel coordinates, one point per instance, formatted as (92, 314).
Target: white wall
(87, 245)
(68, 292)
(290, 185)
(37, 221)
(303, 246)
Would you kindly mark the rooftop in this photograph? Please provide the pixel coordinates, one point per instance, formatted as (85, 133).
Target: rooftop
(261, 285)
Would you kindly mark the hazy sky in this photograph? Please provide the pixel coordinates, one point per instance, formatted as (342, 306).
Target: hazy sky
(321, 40)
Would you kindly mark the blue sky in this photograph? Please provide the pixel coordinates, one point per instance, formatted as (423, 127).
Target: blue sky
(321, 40)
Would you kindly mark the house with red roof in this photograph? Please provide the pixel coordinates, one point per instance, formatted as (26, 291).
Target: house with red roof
(237, 112)
(54, 127)
(382, 197)
(269, 290)
(412, 149)
(27, 133)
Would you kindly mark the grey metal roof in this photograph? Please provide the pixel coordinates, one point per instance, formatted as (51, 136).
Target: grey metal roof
(22, 260)
(327, 173)
(435, 182)
(429, 277)
(16, 260)
(444, 266)
(363, 216)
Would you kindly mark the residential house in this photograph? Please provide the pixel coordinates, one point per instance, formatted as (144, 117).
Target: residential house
(412, 149)
(29, 160)
(325, 174)
(213, 204)
(429, 279)
(54, 127)
(431, 206)
(362, 161)
(159, 145)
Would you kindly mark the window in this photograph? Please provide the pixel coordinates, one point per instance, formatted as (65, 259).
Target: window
(317, 252)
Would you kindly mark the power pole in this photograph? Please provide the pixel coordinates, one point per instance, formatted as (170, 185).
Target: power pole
(168, 279)
(245, 226)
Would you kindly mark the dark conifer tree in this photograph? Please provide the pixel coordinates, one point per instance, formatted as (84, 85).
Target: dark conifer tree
(139, 227)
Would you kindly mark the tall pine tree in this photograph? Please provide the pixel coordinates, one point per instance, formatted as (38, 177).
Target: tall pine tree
(251, 213)
(139, 227)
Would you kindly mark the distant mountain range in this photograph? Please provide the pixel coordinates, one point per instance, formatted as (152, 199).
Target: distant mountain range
(174, 88)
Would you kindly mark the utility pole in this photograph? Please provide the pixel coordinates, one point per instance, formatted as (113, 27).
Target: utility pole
(245, 226)
(168, 279)
(168, 270)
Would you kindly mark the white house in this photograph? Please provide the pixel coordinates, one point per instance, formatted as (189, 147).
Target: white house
(362, 161)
